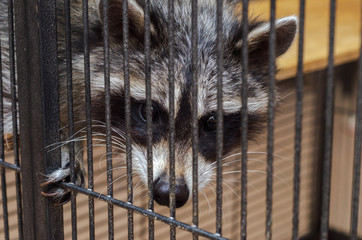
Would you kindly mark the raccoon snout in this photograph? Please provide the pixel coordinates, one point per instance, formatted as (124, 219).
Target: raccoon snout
(161, 190)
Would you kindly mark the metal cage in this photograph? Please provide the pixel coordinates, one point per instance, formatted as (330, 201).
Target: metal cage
(35, 102)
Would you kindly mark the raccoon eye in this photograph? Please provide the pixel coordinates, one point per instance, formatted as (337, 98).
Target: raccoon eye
(142, 111)
(210, 124)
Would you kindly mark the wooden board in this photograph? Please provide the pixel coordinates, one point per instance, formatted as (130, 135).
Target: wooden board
(316, 38)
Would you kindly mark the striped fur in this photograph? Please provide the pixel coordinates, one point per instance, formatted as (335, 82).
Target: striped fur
(206, 72)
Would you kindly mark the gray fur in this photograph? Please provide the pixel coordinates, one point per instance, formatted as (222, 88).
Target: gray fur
(207, 77)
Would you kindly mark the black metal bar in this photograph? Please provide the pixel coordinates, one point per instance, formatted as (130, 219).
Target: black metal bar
(142, 211)
(271, 115)
(298, 122)
(88, 110)
(36, 45)
(327, 158)
(14, 115)
(357, 155)
(219, 117)
(2, 159)
(107, 88)
(171, 108)
(68, 50)
(195, 127)
(4, 202)
(9, 165)
(127, 117)
(244, 121)
(149, 117)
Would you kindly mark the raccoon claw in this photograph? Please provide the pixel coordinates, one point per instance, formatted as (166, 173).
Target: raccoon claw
(58, 194)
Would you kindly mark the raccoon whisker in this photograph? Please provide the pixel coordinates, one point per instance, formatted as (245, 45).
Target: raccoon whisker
(227, 164)
(77, 132)
(119, 133)
(274, 175)
(103, 157)
(115, 180)
(139, 191)
(208, 202)
(118, 140)
(286, 95)
(80, 121)
(230, 180)
(235, 171)
(231, 152)
(139, 182)
(77, 139)
(275, 155)
(139, 188)
(100, 122)
(227, 185)
(60, 144)
(238, 160)
(80, 151)
(120, 136)
(253, 187)
(117, 149)
(105, 172)
(230, 156)
(74, 123)
(238, 181)
(102, 143)
(212, 186)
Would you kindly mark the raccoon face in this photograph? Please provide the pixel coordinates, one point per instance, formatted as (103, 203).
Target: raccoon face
(258, 38)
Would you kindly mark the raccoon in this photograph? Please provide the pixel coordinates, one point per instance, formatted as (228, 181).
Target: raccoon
(258, 38)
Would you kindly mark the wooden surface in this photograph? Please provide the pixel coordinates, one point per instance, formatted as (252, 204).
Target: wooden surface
(316, 38)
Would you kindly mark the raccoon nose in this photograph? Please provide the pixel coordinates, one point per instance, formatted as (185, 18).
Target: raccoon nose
(161, 190)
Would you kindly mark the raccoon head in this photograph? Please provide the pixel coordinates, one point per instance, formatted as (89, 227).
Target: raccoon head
(258, 39)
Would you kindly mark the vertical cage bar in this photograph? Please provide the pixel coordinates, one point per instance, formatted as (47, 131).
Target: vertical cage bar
(14, 115)
(171, 86)
(2, 156)
(271, 115)
(219, 117)
(195, 127)
(149, 117)
(127, 117)
(68, 50)
(36, 45)
(244, 121)
(88, 109)
(328, 138)
(357, 155)
(4, 201)
(298, 122)
(107, 88)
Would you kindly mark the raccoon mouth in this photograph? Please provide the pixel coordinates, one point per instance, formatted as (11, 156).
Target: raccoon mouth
(161, 191)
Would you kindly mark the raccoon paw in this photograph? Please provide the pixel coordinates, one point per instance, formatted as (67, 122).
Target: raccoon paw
(58, 194)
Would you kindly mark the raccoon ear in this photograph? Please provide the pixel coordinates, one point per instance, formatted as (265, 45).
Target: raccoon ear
(258, 39)
(115, 21)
